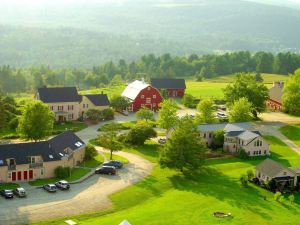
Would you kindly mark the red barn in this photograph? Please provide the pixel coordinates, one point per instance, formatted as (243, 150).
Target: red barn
(142, 94)
(174, 87)
(274, 101)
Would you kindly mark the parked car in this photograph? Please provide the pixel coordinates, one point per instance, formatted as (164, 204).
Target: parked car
(111, 170)
(221, 115)
(162, 141)
(50, 188)
(20, 192)
(62, 184)
(116, 163)
(7, 193)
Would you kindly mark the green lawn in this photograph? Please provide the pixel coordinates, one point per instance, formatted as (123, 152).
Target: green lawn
(116, 157)
(96, 161)
(75, 175)
(74, 126)
(110, 91)
(292, 132)
(9, 186)
(167, 198)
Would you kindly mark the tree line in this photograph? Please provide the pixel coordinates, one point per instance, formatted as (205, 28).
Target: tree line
(201, 66)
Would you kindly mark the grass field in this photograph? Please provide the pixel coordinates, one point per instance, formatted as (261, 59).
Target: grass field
(9, 186)
(96, 161)
(75, 175)
(292, 132)
(110, 91)
(168, 198)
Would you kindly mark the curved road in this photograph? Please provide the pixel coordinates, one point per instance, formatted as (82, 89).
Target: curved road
(88, 196)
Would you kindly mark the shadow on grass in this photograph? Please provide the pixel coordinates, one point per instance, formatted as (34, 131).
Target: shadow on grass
(210, 182)
(291, 131)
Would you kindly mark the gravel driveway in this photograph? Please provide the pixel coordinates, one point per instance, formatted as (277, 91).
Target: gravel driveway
(89, 196)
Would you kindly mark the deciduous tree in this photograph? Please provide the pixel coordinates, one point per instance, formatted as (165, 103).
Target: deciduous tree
(145, 114)
(291, 94)
(168, 114)
(240, 111)
(206, 111)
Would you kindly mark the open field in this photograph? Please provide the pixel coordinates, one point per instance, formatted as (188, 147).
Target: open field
(292, 132)
(167, 197)
(110, 91)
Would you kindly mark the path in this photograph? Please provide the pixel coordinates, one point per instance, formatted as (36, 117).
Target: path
(273, 130)
(89, 196)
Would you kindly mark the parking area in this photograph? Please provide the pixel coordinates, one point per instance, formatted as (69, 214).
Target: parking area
(88, 196)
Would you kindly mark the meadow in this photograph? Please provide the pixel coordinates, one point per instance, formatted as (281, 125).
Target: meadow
(292, 132)
(167, 197)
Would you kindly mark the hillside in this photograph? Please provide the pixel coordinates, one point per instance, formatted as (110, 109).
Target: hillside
(90, 33)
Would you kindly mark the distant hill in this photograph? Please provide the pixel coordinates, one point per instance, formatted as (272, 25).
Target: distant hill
(85, 35)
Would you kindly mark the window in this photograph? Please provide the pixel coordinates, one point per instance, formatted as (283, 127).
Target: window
(209, 135)
(143, 105)
(83, 105)
(42, 171)
(265, 152)
(260, 143)
(60, 108)
(142, 96)
(242, 142)
(52, 108)
(9, 175)
(284, 173)
(154, 96)
(70, 116)
(154, 104)
(148, 100)
(204, 135)
(259, 152)
(70, 107)
(248, 153)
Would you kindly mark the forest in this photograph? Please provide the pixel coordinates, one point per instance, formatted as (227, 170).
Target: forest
(17, 80)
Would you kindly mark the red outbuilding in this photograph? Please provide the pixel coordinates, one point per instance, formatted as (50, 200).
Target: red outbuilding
(175, 87)
(274, 101)
(142, 94)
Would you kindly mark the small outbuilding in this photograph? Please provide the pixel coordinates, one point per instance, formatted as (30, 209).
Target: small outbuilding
(174, 87)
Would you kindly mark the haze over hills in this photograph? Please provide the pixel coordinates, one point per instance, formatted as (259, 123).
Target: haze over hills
(81, 34)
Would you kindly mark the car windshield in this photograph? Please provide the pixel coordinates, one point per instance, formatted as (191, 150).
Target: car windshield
(7, 191)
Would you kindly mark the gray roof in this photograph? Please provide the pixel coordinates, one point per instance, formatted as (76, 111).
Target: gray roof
(276, 92)
(98, 99)
(51, 150)
(248, 135)
(270, 167)
(227, 127)
(168, 83)
(58, 94)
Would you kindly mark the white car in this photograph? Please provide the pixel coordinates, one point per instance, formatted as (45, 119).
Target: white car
(221, 115)
(62, 184)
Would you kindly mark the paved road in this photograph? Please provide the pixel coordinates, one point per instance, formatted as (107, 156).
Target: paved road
(89, 196)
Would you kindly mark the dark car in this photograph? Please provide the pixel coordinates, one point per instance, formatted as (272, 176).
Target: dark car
(62, 184)
(7, 193)
(116, 163)
(50, 188)
(111, 170)
(162, 141)
(20, 192)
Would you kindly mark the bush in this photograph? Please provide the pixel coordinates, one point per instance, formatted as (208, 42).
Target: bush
(277, 196)
(13, 124)
(244, 180)
(250, 174)
(107, 114)
(291, 199)
(90, 152)
(242, 154)
(218, 138)
(139, 134)
(62, 172)
(93, 114)
(189, 101)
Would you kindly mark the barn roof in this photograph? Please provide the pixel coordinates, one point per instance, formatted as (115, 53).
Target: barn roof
(271, 168)
(168, 83)
(133, 89)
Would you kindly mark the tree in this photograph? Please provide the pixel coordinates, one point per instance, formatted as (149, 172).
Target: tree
(108, 138)
(206, 110)
(188, 101)
(3, 115)
(145, 114)
(250, 174)
(240, 111)
(292, 198)
(246, 86)
(107, 114)
(291, 94)
(244, 180)
(258, 77)
(119, 103)
(164, 93)
(36, 122)
(218, 138)
(167, 116)
(204, 72)
(117, 80)
(138, 134)
(183, 150)
(90, 152)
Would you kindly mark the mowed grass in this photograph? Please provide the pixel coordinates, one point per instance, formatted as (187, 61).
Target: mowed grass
(110, 90)
(76, 174)
(92, 163)
(116, 157)
(166, 197)
(292, 132)
(11, 186)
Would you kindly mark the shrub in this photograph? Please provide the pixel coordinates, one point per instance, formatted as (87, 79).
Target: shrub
(281, 199)
(218, 138)
(242, 154)
(189, 101)
(107, 114)
(62, 172)
(292, 198)
(277, 196)
(13, 124)
(90, 152)
(139, 134)
(250, 174)
(244, 180)
(93, 114)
